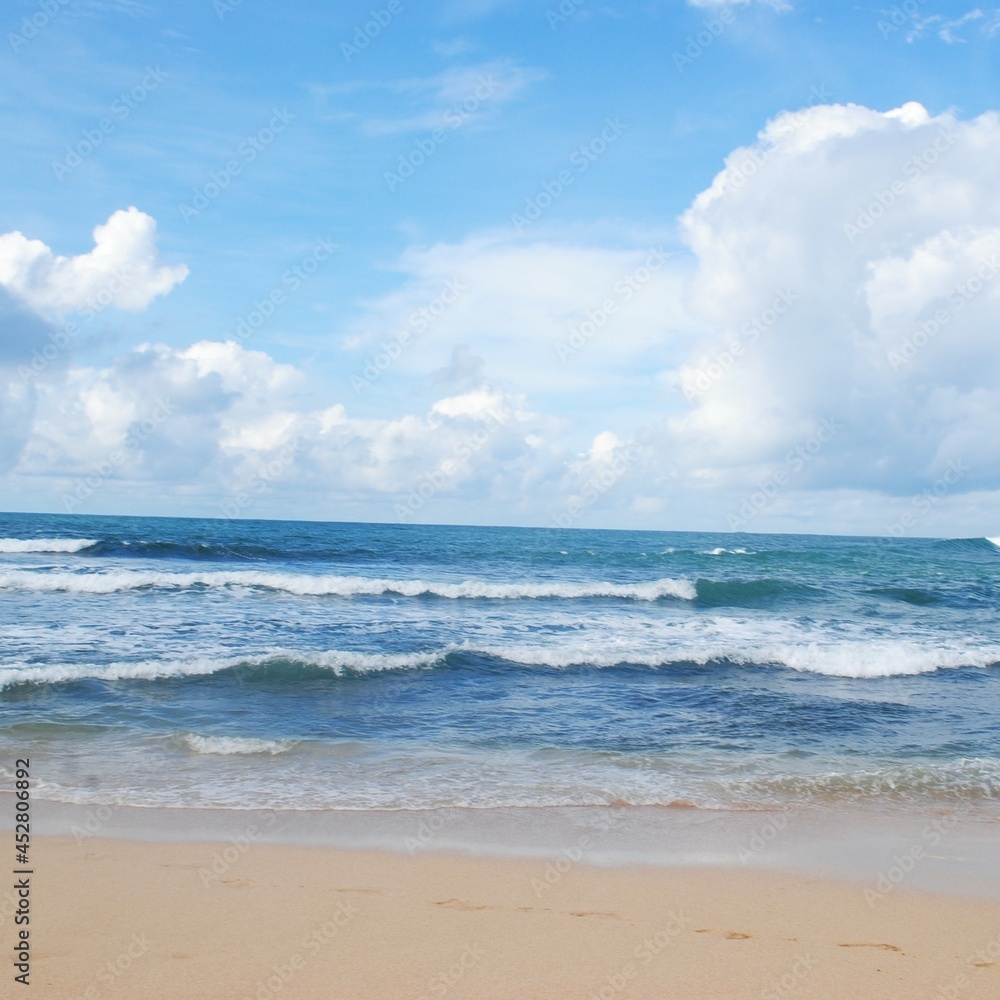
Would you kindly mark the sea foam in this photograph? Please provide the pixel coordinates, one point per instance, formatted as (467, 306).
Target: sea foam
(858, 660)
(228, 746)
(304, 584)
(46, 544)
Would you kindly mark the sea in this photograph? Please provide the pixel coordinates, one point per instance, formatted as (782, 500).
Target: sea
(244, 665)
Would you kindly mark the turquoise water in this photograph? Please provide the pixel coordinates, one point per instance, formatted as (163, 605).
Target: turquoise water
(245, 664)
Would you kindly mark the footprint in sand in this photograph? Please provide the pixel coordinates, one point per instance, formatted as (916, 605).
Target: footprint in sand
(728, 935)
(594, 913)
(460, 904)
(240, 883)
(363, 889)
(863, 944)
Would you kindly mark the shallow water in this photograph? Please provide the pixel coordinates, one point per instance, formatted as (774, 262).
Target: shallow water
(251, 664)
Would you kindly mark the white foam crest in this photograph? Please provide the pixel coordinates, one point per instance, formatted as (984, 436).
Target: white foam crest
(336, 661)
(965, 779)
(55, 673)
(227, 746)
(994, 541)
(303, 584)
(848, 659)
(45, 544)
(879, 658)
(857, 660)
(584, 654)
(718, 551)
(860, 660)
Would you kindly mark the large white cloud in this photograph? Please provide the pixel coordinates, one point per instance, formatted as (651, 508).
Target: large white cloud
(225, 420)
(122, 269)
(829, 339)
(882, 231)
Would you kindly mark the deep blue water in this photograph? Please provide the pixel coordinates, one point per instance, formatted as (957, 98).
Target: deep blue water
(252, 663)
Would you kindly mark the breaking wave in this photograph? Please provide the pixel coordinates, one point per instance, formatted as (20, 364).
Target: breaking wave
(857, 660)
(305, 584)
(13, 545)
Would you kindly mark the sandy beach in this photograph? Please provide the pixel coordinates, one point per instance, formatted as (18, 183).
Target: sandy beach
(114, 918)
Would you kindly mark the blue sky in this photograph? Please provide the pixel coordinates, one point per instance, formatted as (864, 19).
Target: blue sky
(544, 162)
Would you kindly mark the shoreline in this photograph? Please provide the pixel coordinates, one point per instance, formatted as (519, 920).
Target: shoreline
(925, 850)
(120, 918)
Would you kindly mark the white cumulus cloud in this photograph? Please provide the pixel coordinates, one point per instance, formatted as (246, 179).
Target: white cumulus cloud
(881, 232)
(210, 417)
(827, 341)
(122, 269)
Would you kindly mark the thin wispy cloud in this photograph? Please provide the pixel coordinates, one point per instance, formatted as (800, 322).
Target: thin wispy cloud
(133, 8)
(782, 5)
(457, 95)
(975, 22)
